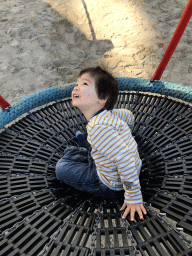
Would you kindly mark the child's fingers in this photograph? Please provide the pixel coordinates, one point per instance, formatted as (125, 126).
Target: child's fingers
(123, 207)
(143, 208)
(128, 209)
(140, 209)
(140, 212)
(132, 214)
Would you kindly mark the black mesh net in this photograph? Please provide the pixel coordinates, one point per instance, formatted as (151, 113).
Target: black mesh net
(41, 216)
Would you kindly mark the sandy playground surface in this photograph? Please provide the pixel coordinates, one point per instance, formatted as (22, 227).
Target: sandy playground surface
(45, 43)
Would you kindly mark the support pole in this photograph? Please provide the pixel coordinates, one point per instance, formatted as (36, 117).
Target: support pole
(3, 103)
(174, 41)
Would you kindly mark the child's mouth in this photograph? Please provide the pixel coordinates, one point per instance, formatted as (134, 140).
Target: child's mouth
(76, 96)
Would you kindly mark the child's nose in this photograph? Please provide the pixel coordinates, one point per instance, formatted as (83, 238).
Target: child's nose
(76, 86)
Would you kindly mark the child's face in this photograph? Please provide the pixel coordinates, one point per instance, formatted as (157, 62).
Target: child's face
(84, 94)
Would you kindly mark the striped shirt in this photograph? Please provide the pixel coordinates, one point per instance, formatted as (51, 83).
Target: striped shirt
(115, 152)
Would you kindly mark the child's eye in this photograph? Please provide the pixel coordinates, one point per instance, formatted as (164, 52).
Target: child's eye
(85, 83)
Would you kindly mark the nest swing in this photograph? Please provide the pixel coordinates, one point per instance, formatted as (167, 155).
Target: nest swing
(39, 216)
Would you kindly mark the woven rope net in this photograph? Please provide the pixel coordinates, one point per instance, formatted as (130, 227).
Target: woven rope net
(41, 216)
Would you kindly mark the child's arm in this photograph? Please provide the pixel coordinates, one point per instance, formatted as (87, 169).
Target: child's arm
(108, 142)
(125, 115)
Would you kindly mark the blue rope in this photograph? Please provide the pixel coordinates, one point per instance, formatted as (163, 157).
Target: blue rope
(60, 92)
(164, 88)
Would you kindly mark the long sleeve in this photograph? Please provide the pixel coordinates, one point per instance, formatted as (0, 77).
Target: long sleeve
(125, 115)
(125, 157)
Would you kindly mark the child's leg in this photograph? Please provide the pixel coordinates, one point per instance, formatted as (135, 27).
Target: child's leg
(73, 167)
(82, 140)
(77, 169)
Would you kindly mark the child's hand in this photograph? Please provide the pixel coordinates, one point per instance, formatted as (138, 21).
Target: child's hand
(132, 208)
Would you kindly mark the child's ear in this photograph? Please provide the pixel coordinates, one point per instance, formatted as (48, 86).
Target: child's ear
(103, 101)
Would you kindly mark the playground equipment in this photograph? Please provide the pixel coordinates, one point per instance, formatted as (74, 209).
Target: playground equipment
(40, 216)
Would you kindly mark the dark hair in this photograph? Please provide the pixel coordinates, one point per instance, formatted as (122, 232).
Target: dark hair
(106, 85)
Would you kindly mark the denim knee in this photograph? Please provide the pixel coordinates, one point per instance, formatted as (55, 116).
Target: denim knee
(59, 170)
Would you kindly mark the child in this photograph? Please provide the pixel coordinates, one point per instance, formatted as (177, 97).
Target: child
(114, 164)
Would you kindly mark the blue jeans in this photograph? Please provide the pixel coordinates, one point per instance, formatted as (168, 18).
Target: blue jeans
(77, 169)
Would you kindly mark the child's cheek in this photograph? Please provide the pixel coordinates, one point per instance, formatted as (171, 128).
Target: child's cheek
(87, 94)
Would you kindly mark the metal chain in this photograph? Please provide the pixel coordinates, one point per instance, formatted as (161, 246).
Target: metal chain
(129, 233)
(95, 226)
(28, 193)
(30, 175)
(66, 221)
(162, 217)
(7, 231)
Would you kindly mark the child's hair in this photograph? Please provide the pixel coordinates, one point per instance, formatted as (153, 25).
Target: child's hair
(106, 85)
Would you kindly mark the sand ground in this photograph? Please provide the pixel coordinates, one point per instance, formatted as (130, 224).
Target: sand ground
(46, 43)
